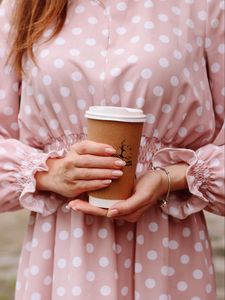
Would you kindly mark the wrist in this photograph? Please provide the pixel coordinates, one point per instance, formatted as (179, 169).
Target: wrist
(43, 178)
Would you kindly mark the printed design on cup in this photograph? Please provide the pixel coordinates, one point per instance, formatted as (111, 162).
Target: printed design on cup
(124, 152)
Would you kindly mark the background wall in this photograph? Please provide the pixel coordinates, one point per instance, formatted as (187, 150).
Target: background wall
(13, 226)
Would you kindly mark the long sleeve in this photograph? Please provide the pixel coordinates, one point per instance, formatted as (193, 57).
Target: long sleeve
(18, 162)
(205, 174)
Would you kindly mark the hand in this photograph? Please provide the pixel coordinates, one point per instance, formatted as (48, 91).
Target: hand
(148, 189)
(87, 166)
(146, 192)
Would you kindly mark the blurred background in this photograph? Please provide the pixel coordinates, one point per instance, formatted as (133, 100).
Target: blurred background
(12, 230)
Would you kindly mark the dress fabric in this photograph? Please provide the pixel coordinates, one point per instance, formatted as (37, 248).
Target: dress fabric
(163, 56)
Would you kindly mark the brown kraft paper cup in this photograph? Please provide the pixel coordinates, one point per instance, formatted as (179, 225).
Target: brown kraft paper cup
(123, 134)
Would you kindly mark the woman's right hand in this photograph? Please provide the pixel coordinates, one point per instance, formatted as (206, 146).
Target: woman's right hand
(87, 166)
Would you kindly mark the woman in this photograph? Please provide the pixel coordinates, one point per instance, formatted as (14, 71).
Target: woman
(165, 57)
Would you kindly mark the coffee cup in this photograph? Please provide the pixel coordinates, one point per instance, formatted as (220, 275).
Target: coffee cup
(120, 127)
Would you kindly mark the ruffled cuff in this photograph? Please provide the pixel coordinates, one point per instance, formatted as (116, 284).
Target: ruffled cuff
(199, 178)
(44, 203)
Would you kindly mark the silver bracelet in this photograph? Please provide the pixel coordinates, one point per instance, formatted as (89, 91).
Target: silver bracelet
(163, 201)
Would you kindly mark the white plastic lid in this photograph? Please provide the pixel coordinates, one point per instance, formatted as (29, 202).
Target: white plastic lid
(114, 113)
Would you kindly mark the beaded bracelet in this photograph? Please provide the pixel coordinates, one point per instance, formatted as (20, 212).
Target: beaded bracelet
(163, 202)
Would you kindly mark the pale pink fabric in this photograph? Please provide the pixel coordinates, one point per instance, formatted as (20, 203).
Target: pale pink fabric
(164, 56)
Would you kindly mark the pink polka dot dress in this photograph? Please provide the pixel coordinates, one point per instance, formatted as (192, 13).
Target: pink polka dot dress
(163, 56)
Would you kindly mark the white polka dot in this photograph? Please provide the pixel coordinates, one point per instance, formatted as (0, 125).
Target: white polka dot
(150, 283)
(130, 235)
(146, 73)
(174, 81)
(164, 63)
(164, 39)
(47, 254)
(176, 10)
(103, 233)
(76, 261)
(46, 227)
(90, 42)
(149, 25)
(63, 235)
(182, 132)
(81, 103)
(61, 263)
(135, 39)
(124, 291)
(76, 31)
(54, 124)
(79, 9)
(44, 53)
(8, 111)
(138, 268)
(197, 274)
(132, 59)
(198, 247)
(75, 52)
(173, 245)
(47, 80)
(90, 248)
(105, 290)
(128, 86)
(42, 131)
(136, 19)
(78, 233)
(166, 108)
(158, 91)
(152, 255)
(115, 72)
(35, 296)
(165, 297)
(149, 47)
(48, 280)
(186, 232)
(64, 91)
(215, 68)
(195, 298)
(34, 270)
(140, 102)
(60, 41)
(41, 99)
(73, 119)
(177, 54)
(182, 286)
(221, 48)
(115, 98)
(153, 227)
(90, 64)
(177, 31)
(127, 263)
(163, 17)
(2, 94)
(103, 262)
(140, 239)
(92, 20)
(202, 15)
(208, 288)
(59, 63)
(61, 291)
(27, 109)
(121, 6)
(167, 271)
(90, 276)
(76, 291)
(121, 30)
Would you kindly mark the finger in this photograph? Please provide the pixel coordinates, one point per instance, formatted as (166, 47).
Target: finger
(93, 161)
(135, 216)
(129, 206)
(92, 174)
(92, 185)
(87, 208)
(90, 147)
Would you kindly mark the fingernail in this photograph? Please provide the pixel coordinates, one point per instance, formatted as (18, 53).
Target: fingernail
(106, 182)
(112, 213)
(117, 173)
(110, 150)
(120, 163)
(68, 207)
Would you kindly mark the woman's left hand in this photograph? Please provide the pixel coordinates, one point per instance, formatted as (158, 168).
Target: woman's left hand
(148, 189)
